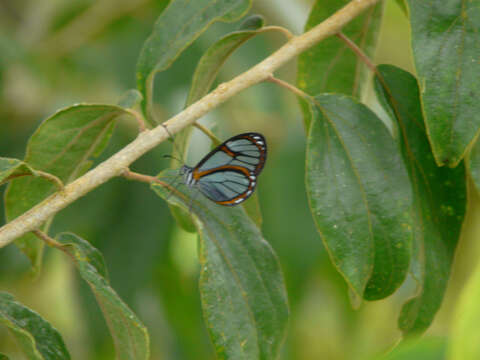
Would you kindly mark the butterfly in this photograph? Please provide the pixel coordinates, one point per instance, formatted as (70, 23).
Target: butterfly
(228, 174)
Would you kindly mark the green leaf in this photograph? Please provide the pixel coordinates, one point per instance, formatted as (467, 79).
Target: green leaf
(38, 339)
(424, 349)
(446, 49)
(129, 334)
(331, 66)
(203, 78)
(176, 28)
(359, 195)
(439, 197)
(3, 357)
(241, 284)
(63, 146)
(216, 55)
(466, 324)
(11, 168)
(130, 99)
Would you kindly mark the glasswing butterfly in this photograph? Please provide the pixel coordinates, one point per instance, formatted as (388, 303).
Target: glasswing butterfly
(228, 174)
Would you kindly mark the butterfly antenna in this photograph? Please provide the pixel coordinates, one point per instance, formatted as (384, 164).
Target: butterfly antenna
(173, 157)
(175, 146)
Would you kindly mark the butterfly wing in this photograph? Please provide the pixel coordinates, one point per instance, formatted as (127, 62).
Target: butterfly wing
(227, 175)
(226, 186)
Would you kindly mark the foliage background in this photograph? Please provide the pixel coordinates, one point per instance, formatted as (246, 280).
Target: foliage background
(152, 264)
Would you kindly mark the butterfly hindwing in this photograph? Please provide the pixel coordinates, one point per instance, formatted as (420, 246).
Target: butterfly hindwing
(227, 175)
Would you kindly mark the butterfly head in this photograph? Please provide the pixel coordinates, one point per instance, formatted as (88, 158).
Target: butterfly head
(187, 173)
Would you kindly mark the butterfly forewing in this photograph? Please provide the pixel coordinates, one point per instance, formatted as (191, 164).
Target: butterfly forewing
(227, 175)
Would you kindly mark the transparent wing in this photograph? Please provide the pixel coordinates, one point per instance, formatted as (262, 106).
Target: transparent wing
(247, 150)
(227, 187)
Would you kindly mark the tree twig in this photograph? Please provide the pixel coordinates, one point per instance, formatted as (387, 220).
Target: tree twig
(148, 139)
(50, 177)
(47, 239)
(289, 87)
(206, 131)
(358, 51)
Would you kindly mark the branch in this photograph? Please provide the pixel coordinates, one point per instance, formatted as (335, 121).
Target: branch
(148, 139)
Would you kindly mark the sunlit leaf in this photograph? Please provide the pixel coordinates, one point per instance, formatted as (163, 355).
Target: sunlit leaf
(439, 196)
(241, 284)
(129, 334)
(446, 49)
(359, 195)
(203, 78)
(466, 322)
(176, 28)
(424, 349)
(3, 357)
(36, 337)
(63, 145)
(330, 66)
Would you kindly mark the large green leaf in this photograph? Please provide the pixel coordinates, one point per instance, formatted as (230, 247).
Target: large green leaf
(203, 78)
(176, 28)
(359, 195)
(439, 196)
(241, 284)
(331, 66)
(424, 349)
(11, 168)
(466, 322)
(63, 146)
(37, 338)
(446, 48)
(129, 334)
(3, 357)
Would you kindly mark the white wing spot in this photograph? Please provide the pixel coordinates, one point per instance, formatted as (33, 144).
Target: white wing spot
(238, 201)
(249, 192)
(252, 177)
(260, 142)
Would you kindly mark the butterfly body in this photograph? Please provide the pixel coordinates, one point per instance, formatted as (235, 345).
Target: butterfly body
(228, 174)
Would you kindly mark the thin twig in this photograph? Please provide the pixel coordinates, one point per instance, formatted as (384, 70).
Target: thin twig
(207, 132)
(281, 29)
(359, 52)
(50, 177)
(47, 239)
(130, 175)
(140, 120)
(289, 87)
(149, 139)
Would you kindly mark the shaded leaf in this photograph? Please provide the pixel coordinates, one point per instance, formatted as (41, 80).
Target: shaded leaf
(11, 168)
(439, 199)
(446, 49)
(330, 66)
(359, 195)
(129, 334)
(424, 349)
(38, 339)
(176, 28)
(241, 284)
(203, 78)
(62, 145)
(3, 357)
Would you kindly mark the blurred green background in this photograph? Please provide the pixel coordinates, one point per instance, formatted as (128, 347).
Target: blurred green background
(54, 53)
